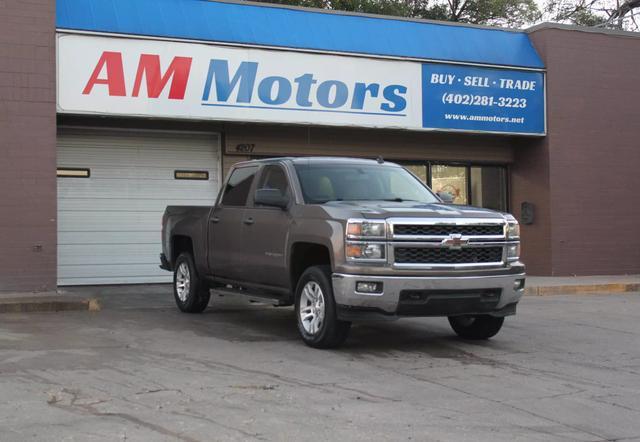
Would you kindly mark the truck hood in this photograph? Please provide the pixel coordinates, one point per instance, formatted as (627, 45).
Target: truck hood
(408, 209)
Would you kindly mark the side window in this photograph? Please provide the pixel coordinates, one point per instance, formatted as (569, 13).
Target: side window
(274, 177)
(237, 189)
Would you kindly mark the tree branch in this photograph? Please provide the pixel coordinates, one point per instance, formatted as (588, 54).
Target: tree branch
(624, 9)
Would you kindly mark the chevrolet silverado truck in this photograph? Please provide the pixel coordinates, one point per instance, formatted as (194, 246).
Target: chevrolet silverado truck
(345, 240)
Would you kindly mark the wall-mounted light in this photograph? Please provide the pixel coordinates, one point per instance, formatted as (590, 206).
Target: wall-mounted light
(191, 175)
(73, 172)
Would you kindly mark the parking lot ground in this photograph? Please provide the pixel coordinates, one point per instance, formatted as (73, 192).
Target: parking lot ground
(564, 368)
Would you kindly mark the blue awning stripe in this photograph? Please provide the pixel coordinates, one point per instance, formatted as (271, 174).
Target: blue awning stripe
(253, 24)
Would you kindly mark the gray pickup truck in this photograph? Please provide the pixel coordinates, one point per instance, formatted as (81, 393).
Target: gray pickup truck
(345, 240)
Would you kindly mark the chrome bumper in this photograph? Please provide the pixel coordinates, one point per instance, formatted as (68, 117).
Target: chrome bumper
(388, 302)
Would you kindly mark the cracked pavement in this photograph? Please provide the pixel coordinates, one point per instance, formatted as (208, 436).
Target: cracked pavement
(566, 368)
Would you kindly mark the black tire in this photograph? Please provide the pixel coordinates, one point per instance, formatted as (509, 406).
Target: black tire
(196, 297)
(331, 332)
(476, 327)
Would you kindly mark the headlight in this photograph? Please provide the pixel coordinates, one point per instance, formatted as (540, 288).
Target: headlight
(365, 251)
(361, 250)
(513, 228)
(357, 229)
(513, 252)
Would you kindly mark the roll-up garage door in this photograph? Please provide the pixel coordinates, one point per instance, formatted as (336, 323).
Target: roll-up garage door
(113, 187)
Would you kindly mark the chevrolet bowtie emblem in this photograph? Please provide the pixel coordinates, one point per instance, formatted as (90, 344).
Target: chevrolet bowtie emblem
(454, 241)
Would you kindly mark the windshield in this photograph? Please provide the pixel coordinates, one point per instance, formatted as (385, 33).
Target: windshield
(357, 182)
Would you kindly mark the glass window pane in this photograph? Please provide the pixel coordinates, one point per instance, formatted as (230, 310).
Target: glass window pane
(450, 179)
(274, 177)
(237, 189)
(359, 182)
(419, 170)
(489, 187)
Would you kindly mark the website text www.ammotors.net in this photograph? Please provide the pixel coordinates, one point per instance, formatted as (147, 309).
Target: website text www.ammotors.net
(487, 118)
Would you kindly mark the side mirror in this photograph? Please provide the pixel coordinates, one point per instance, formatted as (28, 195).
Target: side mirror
(272, 198)
(446, 197)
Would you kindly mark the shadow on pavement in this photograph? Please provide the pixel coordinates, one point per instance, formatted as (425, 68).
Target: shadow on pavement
(236, 319)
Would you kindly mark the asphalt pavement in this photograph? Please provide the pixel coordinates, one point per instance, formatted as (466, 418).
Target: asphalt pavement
(564, 368)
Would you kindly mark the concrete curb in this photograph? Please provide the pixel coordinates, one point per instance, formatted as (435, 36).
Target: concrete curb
(582, 289)
(48, 303)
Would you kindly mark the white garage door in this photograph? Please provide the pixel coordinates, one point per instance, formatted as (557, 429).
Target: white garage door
(109, 223)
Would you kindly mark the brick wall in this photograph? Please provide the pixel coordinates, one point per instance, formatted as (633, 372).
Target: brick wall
(27, 145)
(591, 155)
(530, 183)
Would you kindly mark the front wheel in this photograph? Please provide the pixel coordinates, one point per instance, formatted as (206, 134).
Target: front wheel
(316, 315)
(476, 327)
(190, 293)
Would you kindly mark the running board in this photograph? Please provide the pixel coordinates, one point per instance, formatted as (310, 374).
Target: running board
(251, 295)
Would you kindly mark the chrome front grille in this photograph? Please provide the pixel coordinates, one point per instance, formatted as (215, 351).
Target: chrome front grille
(437, 243)
(448, 229)
(437, 255)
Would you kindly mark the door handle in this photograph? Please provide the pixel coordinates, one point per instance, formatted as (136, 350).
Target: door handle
(248, 221)
(214, 219)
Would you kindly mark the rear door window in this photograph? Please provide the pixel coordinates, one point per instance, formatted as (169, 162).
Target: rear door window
(236, 191)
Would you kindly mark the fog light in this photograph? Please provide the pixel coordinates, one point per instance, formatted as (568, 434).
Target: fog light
(368, 287)
(518, 284)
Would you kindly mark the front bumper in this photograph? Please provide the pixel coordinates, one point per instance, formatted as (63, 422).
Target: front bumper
(427, 295)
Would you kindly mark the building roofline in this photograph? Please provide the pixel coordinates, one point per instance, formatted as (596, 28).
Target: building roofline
(370, 15)
(577, 28)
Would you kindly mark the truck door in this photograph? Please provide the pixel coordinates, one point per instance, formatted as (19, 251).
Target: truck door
(264, 233)
(226, 222)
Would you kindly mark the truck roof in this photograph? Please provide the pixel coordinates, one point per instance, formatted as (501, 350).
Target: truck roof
(317, 160)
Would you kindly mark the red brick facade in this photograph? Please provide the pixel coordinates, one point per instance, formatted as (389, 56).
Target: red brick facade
(27, 145)
(584, 177)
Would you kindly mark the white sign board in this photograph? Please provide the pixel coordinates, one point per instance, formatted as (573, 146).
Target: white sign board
(151, 78)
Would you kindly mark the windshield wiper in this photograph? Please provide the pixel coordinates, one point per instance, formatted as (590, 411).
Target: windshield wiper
(401, 200)
(327, 201)
(395, 200)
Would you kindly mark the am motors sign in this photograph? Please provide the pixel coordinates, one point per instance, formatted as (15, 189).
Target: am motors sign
(151, 78)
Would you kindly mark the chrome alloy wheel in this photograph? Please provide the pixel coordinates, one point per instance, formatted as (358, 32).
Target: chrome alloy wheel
(312, 307)
(183, 281)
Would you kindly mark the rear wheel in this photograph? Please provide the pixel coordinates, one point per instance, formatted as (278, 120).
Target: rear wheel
(190, 293)
(317, 320)
(476, 327)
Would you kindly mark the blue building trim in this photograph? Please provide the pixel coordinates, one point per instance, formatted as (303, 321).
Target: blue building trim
(253, 24)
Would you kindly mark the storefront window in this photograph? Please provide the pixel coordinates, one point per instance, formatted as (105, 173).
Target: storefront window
(489, 187)
(419, 170)
(450, 179)
(481, 186)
